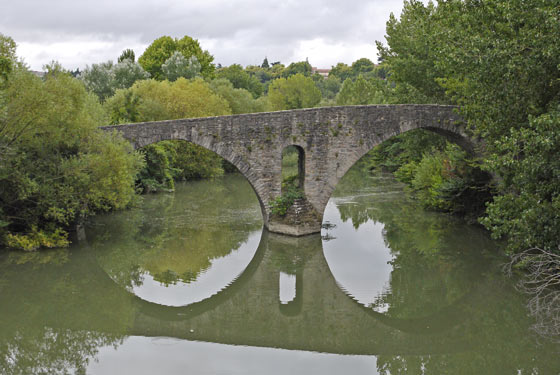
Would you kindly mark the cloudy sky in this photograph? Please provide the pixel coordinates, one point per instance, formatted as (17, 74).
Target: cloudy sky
(80, 32)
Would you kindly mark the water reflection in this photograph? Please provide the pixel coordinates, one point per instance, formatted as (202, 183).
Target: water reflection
(417, 262)
(217, 276)
(358, 257)
(395, 291)
(176, 251)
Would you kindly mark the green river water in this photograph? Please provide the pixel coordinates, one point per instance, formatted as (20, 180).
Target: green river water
(189, 283)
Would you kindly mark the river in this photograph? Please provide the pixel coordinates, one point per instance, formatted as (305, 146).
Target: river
(190, 283)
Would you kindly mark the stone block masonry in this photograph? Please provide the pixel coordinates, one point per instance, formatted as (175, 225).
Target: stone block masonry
(332, 138)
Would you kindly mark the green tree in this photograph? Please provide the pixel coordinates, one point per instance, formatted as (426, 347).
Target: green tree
(239, 100)
(241, 79)
(499, 61)
(99, 79)
(264, 64)
(262, 74)
(163, 48)
(341, 71)
(7, 56)
(296, 91)
(361, 91)
(362, 66)
(127, 54)
(178, 66)
(125, 73)
(412, 53)
(57, 167)
(301, 67)
(103, 79)
(329, 86)
(527, 211)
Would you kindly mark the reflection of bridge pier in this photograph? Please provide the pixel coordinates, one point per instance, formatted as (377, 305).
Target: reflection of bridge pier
(330, 140)
(321, 317)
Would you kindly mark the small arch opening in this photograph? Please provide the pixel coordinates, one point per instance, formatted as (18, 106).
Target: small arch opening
(293, 168)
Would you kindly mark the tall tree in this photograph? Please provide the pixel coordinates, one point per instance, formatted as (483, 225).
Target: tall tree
(412, 54)
(58, 167)
(103, 79)
(499, 60)
(99, 79)
(7, 55)
(362, 66)
(163, 48)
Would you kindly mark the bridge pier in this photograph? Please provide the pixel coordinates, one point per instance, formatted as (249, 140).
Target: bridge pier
(301, 219)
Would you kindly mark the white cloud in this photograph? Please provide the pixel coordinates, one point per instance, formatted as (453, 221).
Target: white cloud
(75, 52)
(77, 33)
(325, 54)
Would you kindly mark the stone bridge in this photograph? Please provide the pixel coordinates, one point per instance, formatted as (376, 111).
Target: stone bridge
(329, 141)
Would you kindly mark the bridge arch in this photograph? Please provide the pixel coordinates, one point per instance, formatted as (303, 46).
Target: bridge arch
(332, 139)
(147, 133)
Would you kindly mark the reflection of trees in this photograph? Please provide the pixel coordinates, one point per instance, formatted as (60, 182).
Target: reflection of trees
(497, 328)
(51, 351)
(44, 309)
(175, 237)
(445, 274)
(436, 258)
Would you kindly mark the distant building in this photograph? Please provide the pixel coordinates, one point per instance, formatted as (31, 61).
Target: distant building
(322, 72)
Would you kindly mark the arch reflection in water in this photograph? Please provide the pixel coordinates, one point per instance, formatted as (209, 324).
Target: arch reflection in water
(182, 248)
(221, 273)
(391, 255)
(358, 257)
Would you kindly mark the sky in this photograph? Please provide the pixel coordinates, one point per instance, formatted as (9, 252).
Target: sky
(77, 33)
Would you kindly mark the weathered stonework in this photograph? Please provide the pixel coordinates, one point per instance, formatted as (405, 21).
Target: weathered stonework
(301, 218)
(332, 138)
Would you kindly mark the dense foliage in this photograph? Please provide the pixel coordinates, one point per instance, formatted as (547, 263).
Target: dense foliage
(297, 91)
(500, 61)
(239, 100)
(105, 78)
(163, 48)
(361, 91)
(179, 66)
(241, 79)
(7, 56)
(56, 166)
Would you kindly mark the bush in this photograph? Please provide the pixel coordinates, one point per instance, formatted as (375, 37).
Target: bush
(57, 167)
(280, 205)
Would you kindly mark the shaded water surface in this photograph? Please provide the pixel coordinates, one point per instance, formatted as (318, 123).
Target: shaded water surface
(190, 283)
